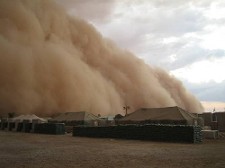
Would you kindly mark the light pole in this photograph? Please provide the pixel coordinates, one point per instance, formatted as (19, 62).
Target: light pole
(126, 107)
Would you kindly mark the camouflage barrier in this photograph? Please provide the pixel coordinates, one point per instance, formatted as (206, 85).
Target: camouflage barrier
(19, 127)
(3, 124)
(146, 122)
(26, 127)
(168, 133)
(50, 128)
(11, 126)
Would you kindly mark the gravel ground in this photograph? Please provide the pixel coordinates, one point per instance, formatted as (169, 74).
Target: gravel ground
(27, 150)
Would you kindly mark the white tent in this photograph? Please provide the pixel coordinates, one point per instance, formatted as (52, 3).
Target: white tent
(29, 117)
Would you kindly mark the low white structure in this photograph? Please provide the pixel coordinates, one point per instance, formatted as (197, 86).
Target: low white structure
(29, 118)
(210, 134)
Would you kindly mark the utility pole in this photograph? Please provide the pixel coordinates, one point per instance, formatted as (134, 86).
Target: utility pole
(126, 107)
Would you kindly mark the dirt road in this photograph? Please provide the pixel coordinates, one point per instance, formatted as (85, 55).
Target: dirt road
(26, 150)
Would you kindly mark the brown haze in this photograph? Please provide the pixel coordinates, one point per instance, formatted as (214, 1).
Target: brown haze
(51, 62)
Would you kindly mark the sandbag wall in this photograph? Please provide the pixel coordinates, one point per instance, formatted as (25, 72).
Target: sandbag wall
(169, 133)
(50, 128)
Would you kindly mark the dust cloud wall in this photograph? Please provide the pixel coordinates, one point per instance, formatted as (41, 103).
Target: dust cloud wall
(51, 62)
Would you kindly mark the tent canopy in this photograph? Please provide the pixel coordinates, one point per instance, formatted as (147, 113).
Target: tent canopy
(75, 116)
(29, 117)
(159, 114)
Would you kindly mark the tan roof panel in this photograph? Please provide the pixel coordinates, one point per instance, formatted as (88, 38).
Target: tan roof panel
(168, 113)
(75, 116)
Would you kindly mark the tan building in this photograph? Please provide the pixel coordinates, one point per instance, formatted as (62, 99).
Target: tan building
(214, 120)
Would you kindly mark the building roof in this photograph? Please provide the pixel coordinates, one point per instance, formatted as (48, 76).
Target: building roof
(167, 113)
(75, 116)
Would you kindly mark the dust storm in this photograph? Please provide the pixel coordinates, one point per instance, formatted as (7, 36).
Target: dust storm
(51, 62)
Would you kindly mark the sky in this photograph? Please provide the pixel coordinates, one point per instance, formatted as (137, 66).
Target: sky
(186, 38)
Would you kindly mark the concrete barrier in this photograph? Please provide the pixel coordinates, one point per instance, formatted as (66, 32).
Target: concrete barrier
(210, 134)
